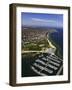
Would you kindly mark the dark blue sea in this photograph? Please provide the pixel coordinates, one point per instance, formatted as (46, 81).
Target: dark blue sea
(57, 37)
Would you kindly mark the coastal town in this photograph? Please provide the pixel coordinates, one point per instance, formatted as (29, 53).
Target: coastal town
(37, 40)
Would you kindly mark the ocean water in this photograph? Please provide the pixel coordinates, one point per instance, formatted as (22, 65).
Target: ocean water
(57, 37)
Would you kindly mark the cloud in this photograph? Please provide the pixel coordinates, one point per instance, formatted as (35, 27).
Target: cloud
(43, 20)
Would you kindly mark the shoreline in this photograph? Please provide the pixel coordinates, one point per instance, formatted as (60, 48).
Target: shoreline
(57, 48)
(53, 48)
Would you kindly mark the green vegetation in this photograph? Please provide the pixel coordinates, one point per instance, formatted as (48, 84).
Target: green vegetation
(38, 45)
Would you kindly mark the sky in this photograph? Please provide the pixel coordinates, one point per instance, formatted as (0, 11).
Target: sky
(42, 20)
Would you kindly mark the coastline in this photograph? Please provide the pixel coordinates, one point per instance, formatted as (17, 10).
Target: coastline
(53, 47)
(57, 52)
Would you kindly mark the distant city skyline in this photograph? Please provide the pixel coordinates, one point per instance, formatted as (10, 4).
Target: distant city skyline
(42, 20)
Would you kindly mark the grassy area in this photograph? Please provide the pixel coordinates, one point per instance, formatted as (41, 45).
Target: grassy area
(38, 45)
